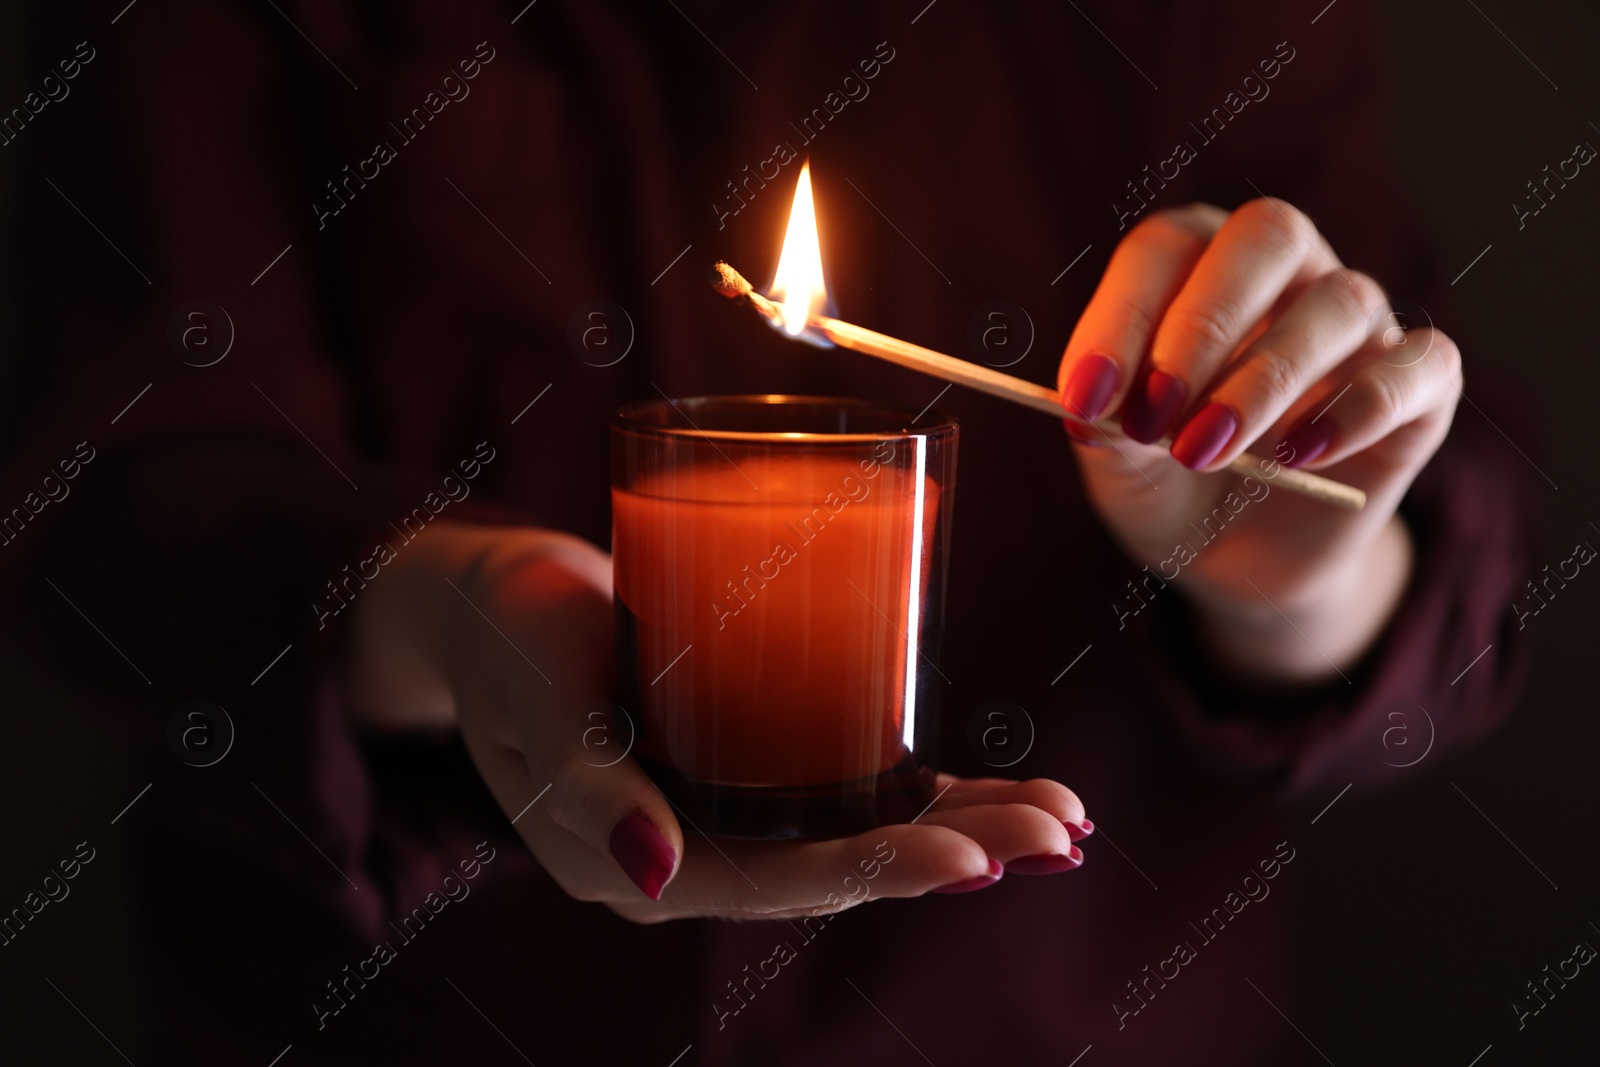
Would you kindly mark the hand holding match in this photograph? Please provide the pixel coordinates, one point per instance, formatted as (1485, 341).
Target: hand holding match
(730, 283)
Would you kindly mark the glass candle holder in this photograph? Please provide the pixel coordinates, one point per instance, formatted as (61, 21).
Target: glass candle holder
(780, 583)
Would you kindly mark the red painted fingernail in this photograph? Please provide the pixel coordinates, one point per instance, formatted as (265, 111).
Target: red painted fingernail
(1082, 433)
(1153, 406)
(1205, 436)
(1046, 862)
(1079, 831)
(643, 853)
(980, 882)
(1090, 386)
(1307, 441)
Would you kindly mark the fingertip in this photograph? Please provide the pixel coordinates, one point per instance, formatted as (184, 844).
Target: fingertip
(1153, 405)
(1047, 862)
(967, 885)
(1055, 798)
(1308, 442)
(644, 853)
(616, 810)
(1090, 386)
(927, 856)
(1206, 436)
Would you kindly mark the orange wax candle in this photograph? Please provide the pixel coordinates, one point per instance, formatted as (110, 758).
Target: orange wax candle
(793, 583)
(779, 571)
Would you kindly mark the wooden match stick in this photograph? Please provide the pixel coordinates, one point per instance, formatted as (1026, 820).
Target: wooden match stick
(730, 283)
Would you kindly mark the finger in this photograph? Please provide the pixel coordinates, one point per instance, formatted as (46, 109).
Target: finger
(1111, 337)
(549, 715)
(628, 860)
(1023, 838)
(1263, 248)
(1320, 328)
(772, 879)
(1041, 793)
(609, 804)
(1384, 395)
(619, 812)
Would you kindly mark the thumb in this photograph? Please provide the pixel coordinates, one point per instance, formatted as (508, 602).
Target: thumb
(574, 747)
(599, 794)
(1117, 469)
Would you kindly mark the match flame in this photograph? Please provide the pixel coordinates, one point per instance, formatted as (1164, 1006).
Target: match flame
(798, 286)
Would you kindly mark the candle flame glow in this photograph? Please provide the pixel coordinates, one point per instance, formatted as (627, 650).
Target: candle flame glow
(798, 286)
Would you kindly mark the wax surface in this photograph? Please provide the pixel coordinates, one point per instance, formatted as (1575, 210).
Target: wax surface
(790, 582)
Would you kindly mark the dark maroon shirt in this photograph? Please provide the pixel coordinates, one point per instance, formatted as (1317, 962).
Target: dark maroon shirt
(390, 316)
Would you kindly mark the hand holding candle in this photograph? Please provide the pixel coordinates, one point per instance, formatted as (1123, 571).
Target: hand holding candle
(507, 633)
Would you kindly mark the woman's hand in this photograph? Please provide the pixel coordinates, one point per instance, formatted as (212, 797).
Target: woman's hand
(509, 633)
(1222, 331)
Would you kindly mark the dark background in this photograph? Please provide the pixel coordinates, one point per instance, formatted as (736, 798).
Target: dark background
(1419, 921)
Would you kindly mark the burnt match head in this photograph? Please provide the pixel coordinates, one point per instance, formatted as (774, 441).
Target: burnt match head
(727, 281)
(733, 285)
